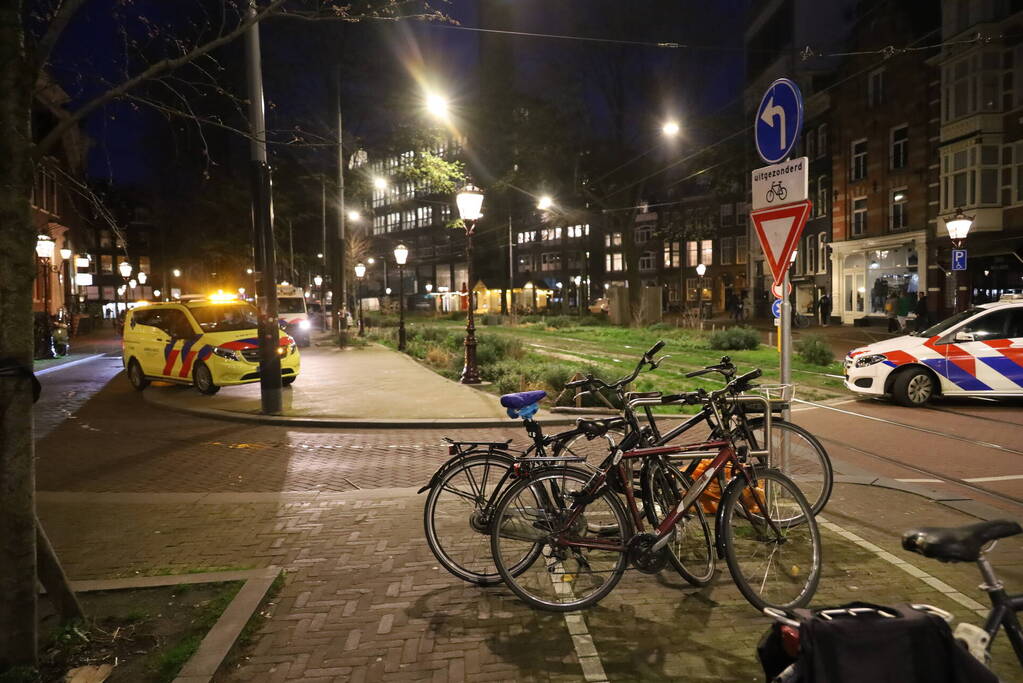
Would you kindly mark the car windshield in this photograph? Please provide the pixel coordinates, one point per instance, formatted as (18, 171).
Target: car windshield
(291, 304)
(935, 330)
(226, 317)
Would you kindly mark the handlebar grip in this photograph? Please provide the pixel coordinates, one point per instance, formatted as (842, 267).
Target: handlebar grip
(654, 349)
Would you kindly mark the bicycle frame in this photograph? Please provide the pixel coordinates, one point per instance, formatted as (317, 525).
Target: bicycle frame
(1004, 608)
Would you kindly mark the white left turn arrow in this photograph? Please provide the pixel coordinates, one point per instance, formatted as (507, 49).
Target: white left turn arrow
(770, 111)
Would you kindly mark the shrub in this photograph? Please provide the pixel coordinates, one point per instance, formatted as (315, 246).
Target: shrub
(657, 327)
(814, 350)
(492, 348)
(438, 356)
(594, 320)
(491, 319)
(560, 321)
(734, 339)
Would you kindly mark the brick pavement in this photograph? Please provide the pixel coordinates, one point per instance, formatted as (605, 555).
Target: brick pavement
(364, 598)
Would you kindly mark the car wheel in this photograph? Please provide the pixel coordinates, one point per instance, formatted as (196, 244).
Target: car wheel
(288, 381)
(136, 376)
(913, 388)
(203, 379)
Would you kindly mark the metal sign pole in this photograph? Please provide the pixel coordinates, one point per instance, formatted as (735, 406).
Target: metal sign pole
(786, 338)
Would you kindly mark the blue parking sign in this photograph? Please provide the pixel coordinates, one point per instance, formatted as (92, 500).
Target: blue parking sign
(958, 259)
(776, 308)
(779, 120)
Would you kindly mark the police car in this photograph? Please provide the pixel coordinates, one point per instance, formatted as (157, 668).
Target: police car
(209, 342)
(293, 314)
(977, 352)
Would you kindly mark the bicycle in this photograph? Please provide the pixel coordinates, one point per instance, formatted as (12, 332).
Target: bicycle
(796, 452)
(586, 537)
(776, 190)
(799, 320)
(968, 543)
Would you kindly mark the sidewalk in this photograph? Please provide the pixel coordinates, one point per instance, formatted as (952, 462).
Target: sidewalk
(366, 601)
(370, 387)
(97, 342)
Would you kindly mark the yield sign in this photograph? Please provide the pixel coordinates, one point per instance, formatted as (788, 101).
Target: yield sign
(779, 228)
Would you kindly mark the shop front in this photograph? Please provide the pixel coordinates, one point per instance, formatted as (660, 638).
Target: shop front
(867, 273)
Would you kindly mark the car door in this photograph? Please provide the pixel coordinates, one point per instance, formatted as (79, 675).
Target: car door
(143, 330)
(987, 352)
(182, 336)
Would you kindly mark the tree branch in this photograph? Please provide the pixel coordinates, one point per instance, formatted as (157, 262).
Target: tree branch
(64, 15)
(161, 67)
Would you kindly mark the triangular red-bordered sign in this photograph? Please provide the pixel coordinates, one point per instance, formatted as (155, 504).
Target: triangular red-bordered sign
(778, 229)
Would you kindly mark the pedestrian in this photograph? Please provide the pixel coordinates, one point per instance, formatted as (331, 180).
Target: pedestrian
(922, 317)
(903, 308)
(824, 308)
(891, 306)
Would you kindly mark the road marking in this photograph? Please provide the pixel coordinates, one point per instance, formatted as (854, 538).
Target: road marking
(585, 650)
(973, 480)
(914, 571)
(68, 364)
(923, 481)
(913, 427)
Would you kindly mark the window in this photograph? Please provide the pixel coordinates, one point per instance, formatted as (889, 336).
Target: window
(578, 230)
(613, 240)
(727, 251)
(550, 261)
(44, 191)
(858, 170)
(875, 87)
(822, 140)
(445, 213)
(1017, 170)
(672, 257)
(692, 252)
(811, 144)
(726, 214)
(823, 196)
(648, 260)
(409, 219)
(613, 262)
(692, 291)
(859, 216)
(897, 219)
(379, 225)
(379, 196)
(969, 176)
(741, 250)
(393, 222)
(900, 147)
(971, 85)
(996, 326)
(810, 250)
(106, 264)
(424, 217)
(106, 239)
(550, 234)
(707, 252)
(822, 256)
(525, 263)
(528, 236)
(644, 233)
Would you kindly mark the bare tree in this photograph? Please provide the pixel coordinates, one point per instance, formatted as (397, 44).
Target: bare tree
(154, 52)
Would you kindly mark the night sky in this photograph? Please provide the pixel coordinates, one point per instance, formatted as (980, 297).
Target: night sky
(384, 58)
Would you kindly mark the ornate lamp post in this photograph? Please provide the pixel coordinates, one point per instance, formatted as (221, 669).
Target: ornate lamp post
(701, 270)
(360, 272)
(44, 254)
(958, 227)
(124, 268)
(400, 256)
(470, 202)
(318, 281)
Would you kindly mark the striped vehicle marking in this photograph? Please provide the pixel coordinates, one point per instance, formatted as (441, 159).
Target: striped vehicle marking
(170, 355)
(187, 356)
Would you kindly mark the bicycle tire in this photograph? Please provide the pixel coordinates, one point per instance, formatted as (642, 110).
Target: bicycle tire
(451, 541)
(692, 556)
(554, 586)
(809, 466)
(753, 557)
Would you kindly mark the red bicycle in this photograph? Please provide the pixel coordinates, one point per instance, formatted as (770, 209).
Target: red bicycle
(582, 538)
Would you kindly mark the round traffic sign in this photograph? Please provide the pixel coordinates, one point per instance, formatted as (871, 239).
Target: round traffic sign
(779, 120)
(776, 308)
(776, 290)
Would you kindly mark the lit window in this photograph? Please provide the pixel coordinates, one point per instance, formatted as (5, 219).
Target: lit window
(897, 216)
(859, 216)
(707, 252)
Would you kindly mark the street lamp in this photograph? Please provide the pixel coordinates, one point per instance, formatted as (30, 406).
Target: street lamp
(360, 272)
(142, 277)
(379, 183)
(354, 215)
(545, 202)
(125, 269)
(470, 203)
(318, 281)
(958, 227)
(701, 270)
(429, 292)
(670, 128)
(400, 256)
(44, 254)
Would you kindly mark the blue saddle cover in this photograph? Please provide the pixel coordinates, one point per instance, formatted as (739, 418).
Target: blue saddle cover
(523, 404)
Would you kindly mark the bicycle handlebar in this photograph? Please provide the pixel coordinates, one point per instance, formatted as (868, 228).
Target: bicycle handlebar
(647, 359)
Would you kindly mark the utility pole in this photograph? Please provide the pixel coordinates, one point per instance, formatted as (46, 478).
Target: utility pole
(340, 291)
(270, 387)
(511, 272)
(323, 253)
(291, 253)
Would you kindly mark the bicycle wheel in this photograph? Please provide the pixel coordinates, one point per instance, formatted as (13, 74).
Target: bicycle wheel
(535, 513)
(773, 565)
(690, 550)
(594, 450)
(799, 456)
(456, 517)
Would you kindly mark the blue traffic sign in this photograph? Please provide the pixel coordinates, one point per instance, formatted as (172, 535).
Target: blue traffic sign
(776, 308)
(779, 121)
(958, 259)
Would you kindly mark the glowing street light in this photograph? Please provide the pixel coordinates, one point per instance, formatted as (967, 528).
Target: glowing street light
(379, 183)
(545, 202)
(437, 106)
(400, 257)
(354, 215)
(958, 227)
(670, 128)
(360, 272)
(701, 270)
(317, 280)
(142, 277)
(177, 272)
(125, 269)
(470, 207)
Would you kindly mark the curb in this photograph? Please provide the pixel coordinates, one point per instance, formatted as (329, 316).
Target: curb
(356, 422)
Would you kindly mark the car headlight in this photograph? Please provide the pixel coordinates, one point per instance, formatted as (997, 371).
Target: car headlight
(229, 354)
(872, 359)
(304, 325)
(292, 348)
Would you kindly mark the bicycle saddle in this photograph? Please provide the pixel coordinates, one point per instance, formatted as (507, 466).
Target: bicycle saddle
(595, 428)
(522, 404)
(957, 544)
